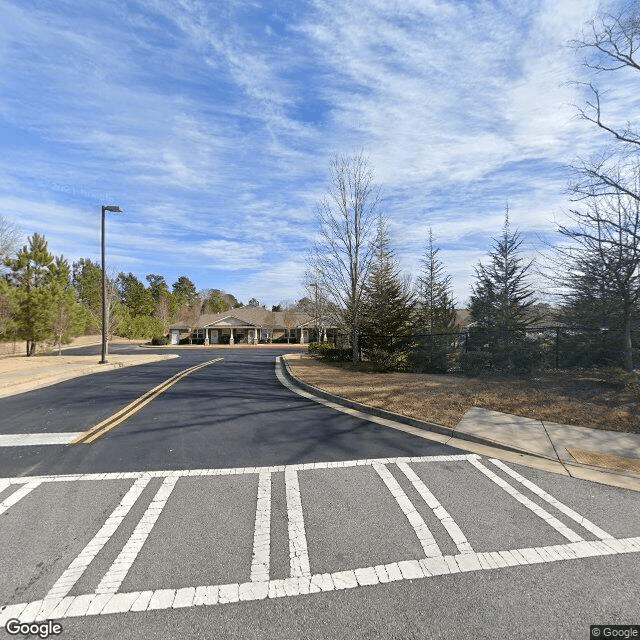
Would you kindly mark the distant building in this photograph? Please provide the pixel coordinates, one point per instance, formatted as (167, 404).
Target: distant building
(250, 325)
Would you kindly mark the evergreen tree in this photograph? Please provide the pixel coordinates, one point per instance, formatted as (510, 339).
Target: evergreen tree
(435, 314)
(157, 287)
(134, 295)
(87, 281)
(68, 316)
(388, 307)
(41, 286)
(501, 299)
(184, 288)
(7, 310)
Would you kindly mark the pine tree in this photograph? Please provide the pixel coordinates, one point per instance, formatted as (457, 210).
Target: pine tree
(388, 307)
(39, 280)
(501, 299)
(435, 314)
(134, 295)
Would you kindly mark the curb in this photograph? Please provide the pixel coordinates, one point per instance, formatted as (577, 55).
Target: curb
(397, 417)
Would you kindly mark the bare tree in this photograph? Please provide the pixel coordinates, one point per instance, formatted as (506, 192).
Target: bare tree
(611, 44)
(9, 239)
(270, 323)
(288, 317)
(603, 261)
(343, 253)
(316, 303)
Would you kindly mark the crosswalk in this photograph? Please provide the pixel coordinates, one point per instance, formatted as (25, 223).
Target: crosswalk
(413, 507)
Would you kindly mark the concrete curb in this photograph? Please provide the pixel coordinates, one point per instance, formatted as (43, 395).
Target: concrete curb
(585, 472)
(397, 417)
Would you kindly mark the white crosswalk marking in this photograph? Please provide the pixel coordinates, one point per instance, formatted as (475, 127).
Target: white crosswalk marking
(75, 570)
(425, 536)
(112, 580)
(582, 521)
(17, 495)
(538, 510)
(262, 532)
(108, 599)
(439, 511)
(299, 556)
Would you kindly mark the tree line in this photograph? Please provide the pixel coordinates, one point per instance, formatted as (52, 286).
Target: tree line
(45, 299)
(593, 272)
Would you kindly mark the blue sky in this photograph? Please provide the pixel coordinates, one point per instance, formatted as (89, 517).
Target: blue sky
(212, 124)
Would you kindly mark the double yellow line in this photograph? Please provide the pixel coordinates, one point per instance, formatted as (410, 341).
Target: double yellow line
(124, 414)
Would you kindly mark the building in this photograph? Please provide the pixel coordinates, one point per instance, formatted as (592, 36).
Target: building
(250, 325)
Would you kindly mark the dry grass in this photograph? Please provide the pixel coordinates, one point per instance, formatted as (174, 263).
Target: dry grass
(583, 399)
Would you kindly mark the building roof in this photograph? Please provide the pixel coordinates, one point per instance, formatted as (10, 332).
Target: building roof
(249, 317)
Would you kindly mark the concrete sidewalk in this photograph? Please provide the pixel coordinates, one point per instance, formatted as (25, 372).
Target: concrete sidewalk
(568, 444)
(609, 457)
(19, 374)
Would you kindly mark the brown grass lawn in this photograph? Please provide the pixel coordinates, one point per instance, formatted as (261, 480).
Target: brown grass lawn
(581, 398)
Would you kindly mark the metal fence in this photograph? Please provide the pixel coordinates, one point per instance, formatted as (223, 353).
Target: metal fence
(546, 347)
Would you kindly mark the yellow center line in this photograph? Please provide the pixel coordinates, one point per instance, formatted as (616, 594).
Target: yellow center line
(92, 434)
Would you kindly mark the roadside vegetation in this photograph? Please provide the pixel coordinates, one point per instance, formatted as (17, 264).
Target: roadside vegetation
(44, 299)
(583, 315)
(593, 398)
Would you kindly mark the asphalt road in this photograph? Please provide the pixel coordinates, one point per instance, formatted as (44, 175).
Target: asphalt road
(374, 532)
(233, 413)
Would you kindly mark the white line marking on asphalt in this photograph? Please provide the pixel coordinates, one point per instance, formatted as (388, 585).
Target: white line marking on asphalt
(17, 495)
(425, 536)
(105, 604)
(75, 570)
(133, 475)
(561, 528)
(581, 520)
(298, 554)
(112, 580)
(36, 439)
(439, 511)
(262, 532)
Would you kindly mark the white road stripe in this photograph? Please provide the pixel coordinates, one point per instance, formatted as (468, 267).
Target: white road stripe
(425, 537)
(562, 529)
(104, 604)
(75, 570)
(581, 520)
(298, 554)
(262, 532)
(439, 511)
(112, 580)
(36, 439)
(17, 495)
(133, 475)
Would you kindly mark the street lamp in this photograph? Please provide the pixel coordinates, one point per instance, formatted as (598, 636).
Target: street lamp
(112, 209)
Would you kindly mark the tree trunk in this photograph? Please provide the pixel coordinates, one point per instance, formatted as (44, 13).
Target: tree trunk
(355, 355)
(628, 348)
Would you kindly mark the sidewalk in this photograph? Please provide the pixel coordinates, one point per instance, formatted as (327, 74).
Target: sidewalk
(609, 457)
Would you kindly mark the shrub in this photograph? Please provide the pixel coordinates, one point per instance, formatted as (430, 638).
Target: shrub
(327, 351)
(384, 361)
(432, 354)
(473, 363)
(160, 340)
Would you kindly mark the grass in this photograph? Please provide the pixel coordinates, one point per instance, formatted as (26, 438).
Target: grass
(586, 398)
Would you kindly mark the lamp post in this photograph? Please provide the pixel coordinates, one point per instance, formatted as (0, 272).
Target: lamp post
(112, 209)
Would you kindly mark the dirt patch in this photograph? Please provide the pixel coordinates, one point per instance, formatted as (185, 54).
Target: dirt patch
(583, 399)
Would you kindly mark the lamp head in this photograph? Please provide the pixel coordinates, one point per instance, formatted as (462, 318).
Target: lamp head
(114, 208)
